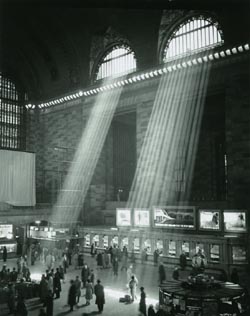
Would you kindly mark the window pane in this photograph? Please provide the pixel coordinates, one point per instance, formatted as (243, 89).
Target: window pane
(10, 115)
(191, 37)
(119, 61)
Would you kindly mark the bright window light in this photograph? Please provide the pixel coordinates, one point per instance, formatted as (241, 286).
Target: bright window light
(197, 34)
(119, 61)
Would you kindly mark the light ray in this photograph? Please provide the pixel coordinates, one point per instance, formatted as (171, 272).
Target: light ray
(173, 127)
(80, 173)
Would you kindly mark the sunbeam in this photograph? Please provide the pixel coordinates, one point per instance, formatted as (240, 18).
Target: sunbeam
(80, 173)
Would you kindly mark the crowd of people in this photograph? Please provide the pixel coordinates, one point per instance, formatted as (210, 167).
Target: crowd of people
(56, 266)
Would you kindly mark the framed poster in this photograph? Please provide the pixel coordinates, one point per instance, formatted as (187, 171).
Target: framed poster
(174, 216)
(123, 217)
(235, 220)
(209, 219)
(141, 217)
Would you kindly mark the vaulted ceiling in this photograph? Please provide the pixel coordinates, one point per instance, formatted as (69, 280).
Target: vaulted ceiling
(45, 45)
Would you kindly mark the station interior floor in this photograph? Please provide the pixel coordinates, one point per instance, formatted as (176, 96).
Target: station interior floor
(114, 288)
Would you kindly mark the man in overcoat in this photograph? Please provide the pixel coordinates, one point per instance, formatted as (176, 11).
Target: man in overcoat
(100, 297)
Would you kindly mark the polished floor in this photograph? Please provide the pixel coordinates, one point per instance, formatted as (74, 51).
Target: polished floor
(114, 287)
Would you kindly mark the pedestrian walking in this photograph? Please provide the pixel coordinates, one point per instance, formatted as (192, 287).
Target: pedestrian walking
(100, 297)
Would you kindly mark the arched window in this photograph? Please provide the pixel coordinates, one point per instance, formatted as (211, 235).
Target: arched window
(196, 34)
(118, 61)
(11, 115)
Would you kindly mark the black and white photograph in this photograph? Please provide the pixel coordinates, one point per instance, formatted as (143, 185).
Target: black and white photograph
(178, 217)
(124, 157)
(123, 217)
(235, 220)
(141, 217)
(209, 219)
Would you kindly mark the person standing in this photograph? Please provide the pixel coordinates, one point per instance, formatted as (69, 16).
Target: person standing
(162, 273)
(57, 283)
(100, 297)
(142, 304)
(129, 274)
(11, 298)
(133, 286)
(115, 266)
(183, 260)
(92, 276)
(85, 274)
(72, 295)
(43, 290)
(4, 254)
(156, 256)
(78, 289)
(89, 292)
(49, 303)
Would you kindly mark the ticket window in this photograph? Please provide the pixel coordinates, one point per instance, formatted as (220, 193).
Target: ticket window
(114, 241)
(105, 240)
(199, 247)
(159, 245)
(215, 252)
(124, 242)
(172, 248)
(136, 245)
(10, 247)
(185, 248)
(87, 240)
(239, 254)
(147, 246)
(96, 241)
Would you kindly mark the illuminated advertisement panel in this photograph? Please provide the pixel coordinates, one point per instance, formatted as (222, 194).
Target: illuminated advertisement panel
(235, 220)
(210, 219)
(6, 231)
(123, 217)
(141, 217)
(175, 217)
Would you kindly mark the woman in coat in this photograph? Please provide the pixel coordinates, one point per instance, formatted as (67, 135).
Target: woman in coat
(89, 292)
(72, 295)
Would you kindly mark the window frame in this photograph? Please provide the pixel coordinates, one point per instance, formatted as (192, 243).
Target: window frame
(103, 59)
(13, 114)
(177, 27)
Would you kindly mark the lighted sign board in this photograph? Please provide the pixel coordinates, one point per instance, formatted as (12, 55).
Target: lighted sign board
(142, 217)
(235, 220)
(6, 231)
(210, 219)
(175, 216)
(123, 217)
